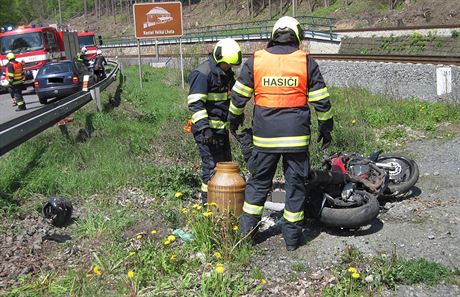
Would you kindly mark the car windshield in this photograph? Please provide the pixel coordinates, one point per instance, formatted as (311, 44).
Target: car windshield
(86, 40)
(20, 43)
(55, 68)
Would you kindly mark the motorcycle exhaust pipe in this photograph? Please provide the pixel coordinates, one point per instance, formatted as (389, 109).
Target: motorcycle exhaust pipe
(327, 177)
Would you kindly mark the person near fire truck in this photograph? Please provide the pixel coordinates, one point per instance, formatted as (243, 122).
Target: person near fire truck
(16, 78)
(99, 63)
(208, 102)
(284, 80)
(81, 56)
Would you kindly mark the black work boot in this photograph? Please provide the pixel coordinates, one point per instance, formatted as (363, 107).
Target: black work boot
(291, 248)
(204, 197)
(21, 106)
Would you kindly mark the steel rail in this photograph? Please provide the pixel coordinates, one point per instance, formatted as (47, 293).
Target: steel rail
(20, 129)
(371, 58)
(454, 60)
(407, 28)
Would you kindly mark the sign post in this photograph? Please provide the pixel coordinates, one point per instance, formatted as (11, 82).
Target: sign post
(158, 20)
(139, 59)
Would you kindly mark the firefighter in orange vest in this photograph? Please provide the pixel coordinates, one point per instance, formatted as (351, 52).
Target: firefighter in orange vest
(284, 80)
(15, 74)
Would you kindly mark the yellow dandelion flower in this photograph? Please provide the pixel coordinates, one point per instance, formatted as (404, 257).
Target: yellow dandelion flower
(352, 270)
(167, 242)
(206, 204)
(153, 232)
(235, 228)
(353, 121)
(139, 237)
(194, 212)
(219, 268)
(172, 258)
(184, 210)
(218, 255)
(213, 204)
(132, 254)
(130, 274)
(207, 214)
(355, 275)
(97, 270)
(263, 281)
(178, 194)
(171, 238)
(196, 206)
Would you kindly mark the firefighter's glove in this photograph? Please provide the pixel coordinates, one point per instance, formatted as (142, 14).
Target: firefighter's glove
(235, 121)
(324, 132)
(207, 136)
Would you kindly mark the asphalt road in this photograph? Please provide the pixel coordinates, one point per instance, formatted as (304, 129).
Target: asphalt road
(7, 110)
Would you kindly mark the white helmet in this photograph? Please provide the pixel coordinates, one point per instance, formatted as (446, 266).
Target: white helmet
(99, 52)
(286, 23)
(84, 49)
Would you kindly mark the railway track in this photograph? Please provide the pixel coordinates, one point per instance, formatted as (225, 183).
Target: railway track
(407, 28)
(392, 59)
(441, 60)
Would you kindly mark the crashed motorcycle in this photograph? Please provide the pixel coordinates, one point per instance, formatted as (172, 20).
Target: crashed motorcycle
(346, 193)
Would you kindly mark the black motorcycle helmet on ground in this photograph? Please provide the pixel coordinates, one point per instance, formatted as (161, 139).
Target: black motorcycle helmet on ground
(58, 210)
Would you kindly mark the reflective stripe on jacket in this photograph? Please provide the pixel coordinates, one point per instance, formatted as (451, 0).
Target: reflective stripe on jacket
(208, 99)
(282, 129)
(15, 73)
(281, 114)
(280, 81)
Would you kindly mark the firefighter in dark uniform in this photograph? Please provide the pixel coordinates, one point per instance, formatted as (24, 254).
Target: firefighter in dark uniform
(284, 80)
(208, 102)
(15, 74)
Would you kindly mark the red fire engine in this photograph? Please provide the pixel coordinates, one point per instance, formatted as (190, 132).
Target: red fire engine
(86, 39)
(34, 46)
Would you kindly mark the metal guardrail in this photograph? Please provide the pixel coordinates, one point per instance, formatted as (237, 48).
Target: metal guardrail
(197, 39)
(260, 30)
(20, 129)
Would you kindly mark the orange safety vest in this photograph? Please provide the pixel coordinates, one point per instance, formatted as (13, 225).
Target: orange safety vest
(280, 81)
(18, 74)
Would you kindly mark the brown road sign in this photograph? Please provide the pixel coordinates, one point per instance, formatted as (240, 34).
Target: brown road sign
(155, 20)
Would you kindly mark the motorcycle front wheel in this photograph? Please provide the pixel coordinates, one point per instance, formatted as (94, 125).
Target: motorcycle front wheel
(351, 218)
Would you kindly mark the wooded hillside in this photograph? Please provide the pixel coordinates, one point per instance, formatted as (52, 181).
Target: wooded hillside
(112, 17)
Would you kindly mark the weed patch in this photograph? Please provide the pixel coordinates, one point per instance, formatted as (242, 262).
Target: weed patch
(359, 275)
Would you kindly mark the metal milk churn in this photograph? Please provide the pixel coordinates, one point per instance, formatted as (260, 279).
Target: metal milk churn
(226, 188)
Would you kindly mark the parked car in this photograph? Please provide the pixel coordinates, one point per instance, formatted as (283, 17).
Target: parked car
(61, 79)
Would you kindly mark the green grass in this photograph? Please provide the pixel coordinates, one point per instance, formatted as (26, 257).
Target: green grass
(140, 145)
(385, 271)
(364, 122)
